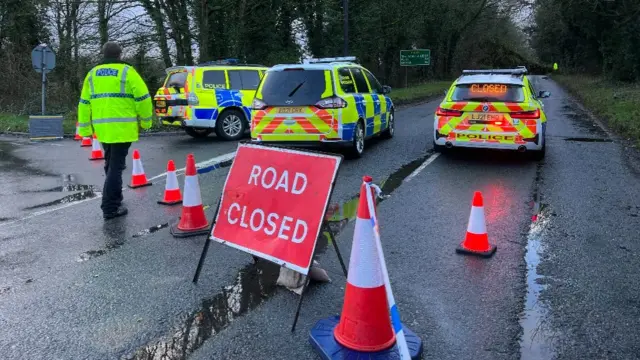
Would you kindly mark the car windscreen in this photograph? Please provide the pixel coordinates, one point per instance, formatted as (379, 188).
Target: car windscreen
(488, 93)
(293, 87)
(177, 79)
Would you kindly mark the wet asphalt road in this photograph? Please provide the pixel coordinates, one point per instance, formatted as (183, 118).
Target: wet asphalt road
(564, 286)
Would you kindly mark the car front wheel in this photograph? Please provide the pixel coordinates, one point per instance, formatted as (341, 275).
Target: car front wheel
(391, 128)
(356, 148)
(231, 125)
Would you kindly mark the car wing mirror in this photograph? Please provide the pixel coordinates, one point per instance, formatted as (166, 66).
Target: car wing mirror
(544, 94)
(386, 89)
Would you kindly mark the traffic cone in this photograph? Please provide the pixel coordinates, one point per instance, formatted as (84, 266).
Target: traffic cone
(363, 330)
(96, 150)
(86, 141)
(193, 220)
(138, 177)
(172, 195)
(476, 242)
(77, 137)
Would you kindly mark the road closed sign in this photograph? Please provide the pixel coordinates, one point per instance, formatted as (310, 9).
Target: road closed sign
(273, 203)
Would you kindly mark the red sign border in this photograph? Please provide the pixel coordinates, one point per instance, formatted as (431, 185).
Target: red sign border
(303, 271)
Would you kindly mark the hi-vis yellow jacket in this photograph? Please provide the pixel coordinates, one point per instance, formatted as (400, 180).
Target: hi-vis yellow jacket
(114, 98)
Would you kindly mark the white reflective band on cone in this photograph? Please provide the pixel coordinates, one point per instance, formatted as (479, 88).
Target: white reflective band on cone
(191, 192)
(172, 181)
(476, 221)
(137, 167)
(364, 267)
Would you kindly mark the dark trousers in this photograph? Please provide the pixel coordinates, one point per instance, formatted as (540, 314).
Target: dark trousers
(115, 160)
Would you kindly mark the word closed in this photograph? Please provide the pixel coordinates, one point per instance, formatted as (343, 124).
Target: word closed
(273, 203)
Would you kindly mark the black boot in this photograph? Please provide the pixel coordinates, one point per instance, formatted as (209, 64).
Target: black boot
(122, 211)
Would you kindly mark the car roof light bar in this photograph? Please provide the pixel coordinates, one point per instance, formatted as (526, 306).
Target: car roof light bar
(518, 71)
(330, 60)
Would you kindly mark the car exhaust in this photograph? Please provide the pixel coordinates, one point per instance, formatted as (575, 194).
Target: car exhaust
(522, 148)
(448, 145)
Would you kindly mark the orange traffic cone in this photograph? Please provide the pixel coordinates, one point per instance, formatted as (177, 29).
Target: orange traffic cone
(86, 141)
(365, 324)
(138, 177)
(363, 330)
(193, 220)
(77, 137)
(96, 150)
(476, 242)
(172, 195)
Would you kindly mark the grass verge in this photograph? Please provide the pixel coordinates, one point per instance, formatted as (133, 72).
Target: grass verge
(418, 93)
(402, 96)
(617, 103)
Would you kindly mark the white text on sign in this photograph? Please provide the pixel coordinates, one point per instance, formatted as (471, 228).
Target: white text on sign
(269, 176)
(287, 228)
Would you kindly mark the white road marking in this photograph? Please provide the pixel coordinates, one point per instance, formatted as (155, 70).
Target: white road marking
(417, 171)
(212, 161)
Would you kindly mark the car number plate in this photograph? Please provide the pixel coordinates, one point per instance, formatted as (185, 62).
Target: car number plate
(161, 103)
(291, 110)
(484, 118)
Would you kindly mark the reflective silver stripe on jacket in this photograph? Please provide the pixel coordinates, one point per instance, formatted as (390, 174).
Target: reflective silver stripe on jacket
(147, 118)
(84, 124)
(123, 80)
(114, 120)
(91, 83)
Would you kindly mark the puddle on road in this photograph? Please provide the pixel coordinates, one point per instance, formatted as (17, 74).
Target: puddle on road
(583, 121)
(150, 230)
(12, 163)
(255, 283)
(536, 339)
(91, 254)
(69, 184)
(83, 195)
(586, 139)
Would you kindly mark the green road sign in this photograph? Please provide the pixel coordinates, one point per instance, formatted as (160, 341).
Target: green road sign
(418, 57)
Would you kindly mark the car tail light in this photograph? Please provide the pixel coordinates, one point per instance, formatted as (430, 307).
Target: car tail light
(192, 99)
(332, 103)
(535, 114)
(258, 104)
(448, 112)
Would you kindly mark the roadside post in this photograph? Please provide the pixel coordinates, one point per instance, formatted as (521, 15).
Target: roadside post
(415, 57)
(44, 127)
(273, 206)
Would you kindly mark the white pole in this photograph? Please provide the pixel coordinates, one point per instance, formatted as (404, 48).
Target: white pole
(395, 314)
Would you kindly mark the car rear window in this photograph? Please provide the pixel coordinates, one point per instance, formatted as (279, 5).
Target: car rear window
(488, 92)
(177, 79)
(293, 87)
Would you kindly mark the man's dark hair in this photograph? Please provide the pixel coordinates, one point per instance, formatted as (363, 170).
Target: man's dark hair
(111, 50)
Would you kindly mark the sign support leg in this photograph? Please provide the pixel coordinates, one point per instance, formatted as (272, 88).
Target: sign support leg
(205, 249)
(304, 290)
(335, 246)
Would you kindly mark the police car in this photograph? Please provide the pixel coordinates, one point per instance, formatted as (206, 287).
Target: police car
(322, 101)
(497, 109)
(209, 97)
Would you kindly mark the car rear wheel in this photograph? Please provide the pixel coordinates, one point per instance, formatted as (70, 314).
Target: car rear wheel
(391, 129)
(438, 148)
(231, 125)
(356, 148)
(198, 133)
(539, 155)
